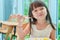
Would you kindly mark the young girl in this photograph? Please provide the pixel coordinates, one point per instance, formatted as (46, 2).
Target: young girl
(40, 24)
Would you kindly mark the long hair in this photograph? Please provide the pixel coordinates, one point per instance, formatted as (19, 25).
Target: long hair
(39, 4)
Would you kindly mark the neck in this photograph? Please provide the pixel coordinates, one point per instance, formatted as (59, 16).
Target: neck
(41, 21)
(41, 24)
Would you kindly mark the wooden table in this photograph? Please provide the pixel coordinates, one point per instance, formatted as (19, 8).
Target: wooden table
(10, 25)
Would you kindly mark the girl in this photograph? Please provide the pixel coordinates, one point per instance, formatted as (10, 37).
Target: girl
(40, 22)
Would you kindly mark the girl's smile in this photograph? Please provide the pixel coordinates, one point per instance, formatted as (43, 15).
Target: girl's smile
(41, 14)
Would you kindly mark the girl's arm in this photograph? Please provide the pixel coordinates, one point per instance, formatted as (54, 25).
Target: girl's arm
(52, 36)
(23, 30)
(27, 29)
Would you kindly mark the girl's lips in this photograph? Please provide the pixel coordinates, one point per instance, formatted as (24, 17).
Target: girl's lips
(40, 14)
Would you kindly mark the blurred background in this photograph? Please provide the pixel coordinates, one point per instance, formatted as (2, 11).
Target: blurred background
(8, 7)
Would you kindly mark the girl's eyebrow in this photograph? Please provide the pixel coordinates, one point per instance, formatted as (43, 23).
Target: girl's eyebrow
(41, 7)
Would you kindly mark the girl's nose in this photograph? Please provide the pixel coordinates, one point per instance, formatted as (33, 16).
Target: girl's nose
(39, 12)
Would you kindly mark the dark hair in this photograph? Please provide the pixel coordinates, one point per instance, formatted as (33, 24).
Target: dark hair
(39, 4)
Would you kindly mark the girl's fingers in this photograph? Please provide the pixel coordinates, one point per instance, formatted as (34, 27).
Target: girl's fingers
(17, 16)
(20, 32)
(12, 16)
(20, 18)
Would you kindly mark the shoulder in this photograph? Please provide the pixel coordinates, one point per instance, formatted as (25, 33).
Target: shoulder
(53, 30)
(53, 26)
(50, 28)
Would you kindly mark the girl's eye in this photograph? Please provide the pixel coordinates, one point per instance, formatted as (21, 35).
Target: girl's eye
(35, 10)
(41, 8)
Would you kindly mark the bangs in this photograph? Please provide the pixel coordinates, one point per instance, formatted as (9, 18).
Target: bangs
(37, 4)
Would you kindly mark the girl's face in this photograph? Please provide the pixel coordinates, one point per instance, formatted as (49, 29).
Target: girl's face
(39, 13)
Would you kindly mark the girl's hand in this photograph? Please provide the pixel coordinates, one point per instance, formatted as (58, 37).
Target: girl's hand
(19, 26)
(12, 17)
(19, 31)
(20, 19)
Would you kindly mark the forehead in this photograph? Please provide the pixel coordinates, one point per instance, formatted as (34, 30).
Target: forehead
(38, 8)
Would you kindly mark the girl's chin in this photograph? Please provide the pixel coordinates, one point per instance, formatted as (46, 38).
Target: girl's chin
(40, 18)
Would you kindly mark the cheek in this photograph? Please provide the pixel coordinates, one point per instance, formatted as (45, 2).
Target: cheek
(45, 13)
(34, 15)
